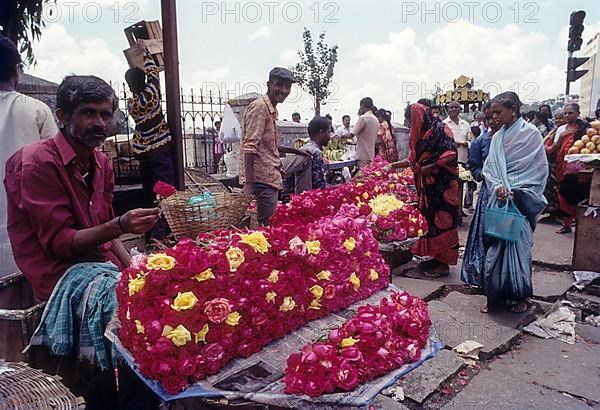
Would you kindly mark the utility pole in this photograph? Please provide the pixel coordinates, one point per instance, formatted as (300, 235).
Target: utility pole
(171, 55)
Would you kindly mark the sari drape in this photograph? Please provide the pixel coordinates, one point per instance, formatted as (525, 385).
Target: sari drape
(431, 142)
(517, 161)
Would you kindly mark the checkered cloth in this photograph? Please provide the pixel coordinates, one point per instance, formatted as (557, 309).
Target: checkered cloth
(84, 297)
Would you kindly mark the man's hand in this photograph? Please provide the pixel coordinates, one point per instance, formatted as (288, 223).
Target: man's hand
(248, 189)
(139, 220)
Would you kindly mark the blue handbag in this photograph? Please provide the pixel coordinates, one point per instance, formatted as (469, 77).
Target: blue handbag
(504, 222)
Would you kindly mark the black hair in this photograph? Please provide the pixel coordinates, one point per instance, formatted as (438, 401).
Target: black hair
(296, 113)
(476, 131)
(436, 107)
(575, 107)
(367, 102)
(509, 99)
(486, 106)
(9, 59)
(329, 117)
(549, 109)
(217, 123)
(530, 115)
(387, 117)
(77, 89)
(345, 116)
(597, 113)
(136, 79)
(317, 125)
(426, 102)
(543, 118)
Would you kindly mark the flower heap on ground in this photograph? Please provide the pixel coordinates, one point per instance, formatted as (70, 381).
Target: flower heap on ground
(383, 197)
(376, 341)
(188, 311)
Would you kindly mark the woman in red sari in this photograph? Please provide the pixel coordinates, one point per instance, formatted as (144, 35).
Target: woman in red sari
(570, 190)
(385, 137)
(433, 159)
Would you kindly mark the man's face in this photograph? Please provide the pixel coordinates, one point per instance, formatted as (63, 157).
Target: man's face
(296, 118)
(90, 123)
(279, 89)
(490, 121)
(545, 110)
(570, 114)
(325, 136)
(346, 122)
(453, 110)
(435, 112)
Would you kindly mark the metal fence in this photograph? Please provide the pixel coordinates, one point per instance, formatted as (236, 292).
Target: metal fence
(199, 112)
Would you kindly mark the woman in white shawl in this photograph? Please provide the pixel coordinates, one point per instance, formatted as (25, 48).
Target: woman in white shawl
(516, 167)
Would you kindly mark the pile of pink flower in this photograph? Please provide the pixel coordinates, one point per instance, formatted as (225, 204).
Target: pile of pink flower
(189, 310)
(384, 197)
(376, 341)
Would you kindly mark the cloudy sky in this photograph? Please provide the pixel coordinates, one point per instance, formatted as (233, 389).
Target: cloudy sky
(393, 51)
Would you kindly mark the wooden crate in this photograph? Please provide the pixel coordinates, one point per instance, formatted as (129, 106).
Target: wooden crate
(150, 33)
(19, 316)
(587, 237)
(595, 188)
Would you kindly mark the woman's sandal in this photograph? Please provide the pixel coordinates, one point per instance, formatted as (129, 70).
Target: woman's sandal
(564, 229)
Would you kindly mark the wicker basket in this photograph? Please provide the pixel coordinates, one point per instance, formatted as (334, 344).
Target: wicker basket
(189, 220)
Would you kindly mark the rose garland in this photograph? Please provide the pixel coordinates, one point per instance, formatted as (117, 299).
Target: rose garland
(376, 341)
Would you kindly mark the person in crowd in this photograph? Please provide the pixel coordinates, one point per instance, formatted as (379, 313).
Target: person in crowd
(365, 130)
(460, 130)
(474, 257)
(571, 190)
(219, 149)
(152, 139)
(478, 121)
(516, 168)
(330, 118)
(435, 110)
(433, 159)
(344, 130)
(541, 122)
(22, 120)
(545, 108)
(261, 168)
(61, 223)
(385, 138)
(296, 117)
(319, 131)
(551, 191)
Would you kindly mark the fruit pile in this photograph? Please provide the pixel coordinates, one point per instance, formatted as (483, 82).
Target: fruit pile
(589, 143)
(335, 149)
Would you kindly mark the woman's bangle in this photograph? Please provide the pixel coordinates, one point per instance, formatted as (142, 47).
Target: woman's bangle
(119, 222)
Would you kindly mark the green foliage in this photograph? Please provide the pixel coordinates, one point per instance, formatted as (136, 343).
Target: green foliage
(21, 21)
(315, 69)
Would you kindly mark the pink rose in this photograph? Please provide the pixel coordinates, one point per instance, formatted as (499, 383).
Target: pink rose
(347, 377)
(217, 310)
(163, 189)
(214, 352)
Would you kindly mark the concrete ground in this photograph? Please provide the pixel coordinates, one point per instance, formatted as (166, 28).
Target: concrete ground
(514, 370)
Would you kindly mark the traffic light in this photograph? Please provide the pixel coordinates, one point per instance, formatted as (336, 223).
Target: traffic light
(572, 73)
(575, 31)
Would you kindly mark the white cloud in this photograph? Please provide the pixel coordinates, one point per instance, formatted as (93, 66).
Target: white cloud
(288, 57)
(59, 54)
(261, 32)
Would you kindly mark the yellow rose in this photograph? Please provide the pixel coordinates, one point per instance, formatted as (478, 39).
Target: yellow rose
(160, 261)
(365, 195)
(235, 256)
(384, 204)
(350, 244)
(136, 284)
(179, 336)
(420, 233)
(373, 275)
(347, 342)
(201, 335)
(233, 319)
(368, 254)
(288, 304)
(313, 247)
(354, 281)
(324, 275)
(274, 276)
(376, 189)
(205, 275)
(257, 241)
(315, 305)
(413, 219)
(317, 291)
(184, 301)
(270, 297)
(139, 327)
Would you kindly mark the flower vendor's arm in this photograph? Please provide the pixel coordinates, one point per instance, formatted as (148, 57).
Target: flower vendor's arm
(254, 128)
(122, 253)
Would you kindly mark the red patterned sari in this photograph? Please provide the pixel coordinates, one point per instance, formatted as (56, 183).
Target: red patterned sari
(431, 142)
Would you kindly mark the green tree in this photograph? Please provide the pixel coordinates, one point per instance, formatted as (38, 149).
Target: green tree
(315, 69)
(21, 21)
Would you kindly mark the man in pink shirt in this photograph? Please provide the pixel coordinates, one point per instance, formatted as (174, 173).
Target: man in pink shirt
(63, 232)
